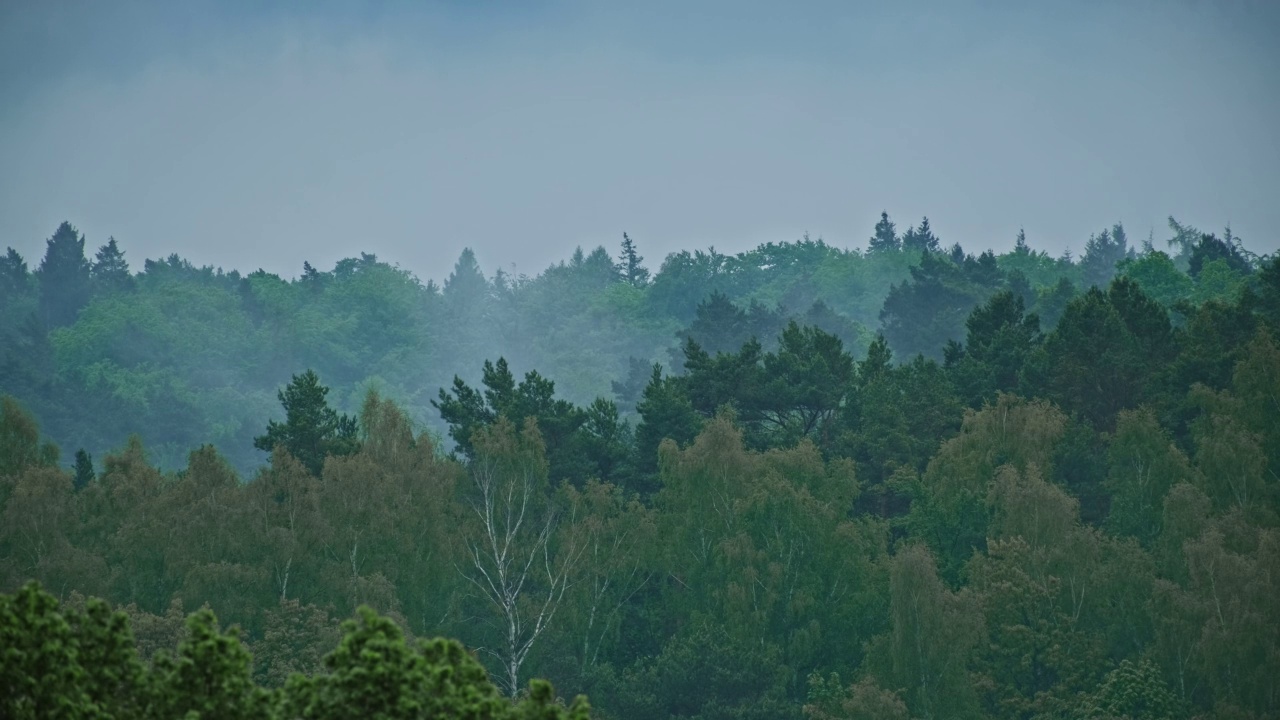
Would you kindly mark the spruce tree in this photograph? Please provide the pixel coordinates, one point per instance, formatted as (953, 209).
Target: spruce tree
(886, 236)
(629, 267)
(110, 271)
(64, 277)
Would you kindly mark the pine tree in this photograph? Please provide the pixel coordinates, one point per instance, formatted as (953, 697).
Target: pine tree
(311, 430)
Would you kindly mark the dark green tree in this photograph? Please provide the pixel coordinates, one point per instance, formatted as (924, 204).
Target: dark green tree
(1102, 253)
(885, 238)
(921, 315)
(665, 412)
(110, 271)
(40, 676)
(921, 239)
(84, 469)
(1210, 249)
(1000, 339)
(1051, 302)
(805, 384)
(14, 278)
(1091, 363)
(629, 267)
(311, 430)
(467, 410)
(65, 282)
(210, 676)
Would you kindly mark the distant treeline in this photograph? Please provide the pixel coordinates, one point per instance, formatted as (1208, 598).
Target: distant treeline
(1015, 518)
(184, 356)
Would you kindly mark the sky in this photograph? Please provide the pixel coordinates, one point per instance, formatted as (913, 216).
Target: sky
(254, 135)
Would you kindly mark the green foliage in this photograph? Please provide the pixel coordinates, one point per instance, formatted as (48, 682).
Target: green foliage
(1158, 276)
(20, 446)
(60, 662)
(1079, 523)
(311, 430)
(1000, 338)
(1135, 691)
(921, 316)
(1102, 253)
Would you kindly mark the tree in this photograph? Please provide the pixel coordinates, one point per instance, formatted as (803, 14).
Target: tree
(1000, 338)
(311, 430)
(863, 700)
(39, 674)
(1144, 464)
(83, 469)
(1158, 276)
(629, 267)
(375, 673)
(109, 271)
(933, 631)
(64, 276)
(921, 239)
(665, 412)
(467, 410)
(1102, 253)
(885, 238)
(14, 278)
(1092, 363)
(1135, 691)
(805, 383)
(468, 305)
(20, 445)
(921, 315)
(517, 560)
(210, 676)
(1210, 249)
(720, 326)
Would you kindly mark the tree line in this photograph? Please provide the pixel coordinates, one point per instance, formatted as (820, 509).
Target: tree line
(185, 355)
(974, 513)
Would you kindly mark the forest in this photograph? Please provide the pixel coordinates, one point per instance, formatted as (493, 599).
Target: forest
(802, 481)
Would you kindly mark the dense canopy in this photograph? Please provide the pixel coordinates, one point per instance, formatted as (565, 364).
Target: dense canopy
(801, 481)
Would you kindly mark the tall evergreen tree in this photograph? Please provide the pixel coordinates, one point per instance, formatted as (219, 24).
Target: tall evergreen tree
(110, 271)
(921, 239)
(14, 278)
(629, 267)
(64, 277)
(885, 237)
(84, 469)
(1101, 254)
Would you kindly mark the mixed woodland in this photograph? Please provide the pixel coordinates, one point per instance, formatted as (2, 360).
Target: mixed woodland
(802, 481)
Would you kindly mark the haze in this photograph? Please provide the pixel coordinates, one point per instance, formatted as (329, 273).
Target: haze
(246, 135)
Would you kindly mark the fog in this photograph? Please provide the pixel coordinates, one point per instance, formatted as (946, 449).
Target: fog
(244, 136)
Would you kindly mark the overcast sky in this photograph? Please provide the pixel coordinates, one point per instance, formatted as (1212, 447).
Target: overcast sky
(248, 135)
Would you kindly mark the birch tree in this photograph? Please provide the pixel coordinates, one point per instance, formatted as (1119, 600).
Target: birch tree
(516, 557)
